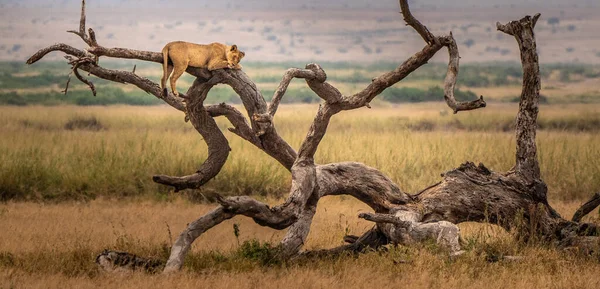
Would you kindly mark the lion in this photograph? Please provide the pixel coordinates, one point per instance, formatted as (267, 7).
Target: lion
(183, 54)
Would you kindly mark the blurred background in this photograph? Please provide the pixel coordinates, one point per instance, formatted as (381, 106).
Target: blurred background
(277, 30)
(102, 150)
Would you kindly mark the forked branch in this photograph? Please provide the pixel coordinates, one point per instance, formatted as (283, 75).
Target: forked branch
(526, 123)
(81, 32)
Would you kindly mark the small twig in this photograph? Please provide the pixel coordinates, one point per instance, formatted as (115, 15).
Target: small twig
(67, 85)
(133, 71)
(81, 33)
(78, 63)
(170, 235)
(425, 189)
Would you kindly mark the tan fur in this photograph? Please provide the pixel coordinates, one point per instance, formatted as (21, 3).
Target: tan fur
(211, 56)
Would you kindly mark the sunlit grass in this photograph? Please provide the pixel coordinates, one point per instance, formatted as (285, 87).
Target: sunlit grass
(413, 144)
(54, 246)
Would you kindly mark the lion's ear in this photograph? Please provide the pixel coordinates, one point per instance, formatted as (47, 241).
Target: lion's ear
(233, 47)
(242, 53)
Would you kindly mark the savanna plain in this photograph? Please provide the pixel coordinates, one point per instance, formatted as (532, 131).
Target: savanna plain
(77, 180)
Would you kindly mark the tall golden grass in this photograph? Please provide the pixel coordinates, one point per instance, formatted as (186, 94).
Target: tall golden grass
(108, 154)
(65, 153)
(54, 246)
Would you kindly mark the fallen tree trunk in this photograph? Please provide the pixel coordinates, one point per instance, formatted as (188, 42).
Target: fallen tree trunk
(515, 200)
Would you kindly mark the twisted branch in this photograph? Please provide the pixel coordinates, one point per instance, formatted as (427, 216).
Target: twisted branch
(218, 146)
(586, 208)
(450, 82)
(283, 85)
(76, 64)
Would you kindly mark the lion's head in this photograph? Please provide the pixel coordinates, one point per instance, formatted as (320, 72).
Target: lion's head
(234, 56)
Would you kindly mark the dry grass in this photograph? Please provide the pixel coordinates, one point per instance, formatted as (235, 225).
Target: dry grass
(53, 246)
(413, 144)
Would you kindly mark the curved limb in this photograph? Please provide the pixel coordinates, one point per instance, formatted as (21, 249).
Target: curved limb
(285, 82)
(184, 242)
(218, 146)
(81, 78)
(450, 82)
(586, 208)
(56, 47)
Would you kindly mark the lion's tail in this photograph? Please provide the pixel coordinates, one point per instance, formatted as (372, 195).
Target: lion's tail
(163, 80)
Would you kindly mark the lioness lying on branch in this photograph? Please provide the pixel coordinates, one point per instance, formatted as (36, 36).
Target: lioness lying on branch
(183, 54)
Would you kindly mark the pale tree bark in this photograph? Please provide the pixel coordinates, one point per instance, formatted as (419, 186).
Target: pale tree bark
(515, 200)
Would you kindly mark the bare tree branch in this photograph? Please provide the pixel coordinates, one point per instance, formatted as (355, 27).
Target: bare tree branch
(319, 85)
(188, 236)
(67, 85)
(141, 82)
(380, 83)
(450, 82)
(56, 47)
(157, 57)
(526, 123)
(218, 146)
(586, 208)
(412, 21)
(81, 32)
(76, 64)
(283, 85)
(93, 42)
(237, 119)
(384, 218)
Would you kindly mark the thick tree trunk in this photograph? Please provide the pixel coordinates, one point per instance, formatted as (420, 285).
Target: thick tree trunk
(515, 200)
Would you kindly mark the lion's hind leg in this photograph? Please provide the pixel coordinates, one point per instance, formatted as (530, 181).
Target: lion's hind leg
(163, 80)
(178, 69)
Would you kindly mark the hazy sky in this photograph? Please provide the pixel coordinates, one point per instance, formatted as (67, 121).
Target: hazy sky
(304, 30)
(307, 4)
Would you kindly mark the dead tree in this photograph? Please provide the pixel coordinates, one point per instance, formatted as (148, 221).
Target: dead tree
(515, 200)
